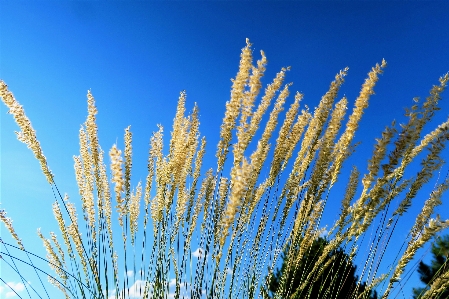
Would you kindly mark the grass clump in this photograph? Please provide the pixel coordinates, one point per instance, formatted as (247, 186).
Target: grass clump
(213, 233)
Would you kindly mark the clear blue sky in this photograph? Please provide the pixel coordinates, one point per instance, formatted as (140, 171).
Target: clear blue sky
(136, 57)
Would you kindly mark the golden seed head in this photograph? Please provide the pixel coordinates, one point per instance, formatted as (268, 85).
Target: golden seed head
(8, 223)
(28, 134)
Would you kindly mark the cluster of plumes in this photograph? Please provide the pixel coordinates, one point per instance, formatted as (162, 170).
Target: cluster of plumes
(289, 135)
(56, 262)
(70, 234)
(75, 235)
(422, 231)
(91, 177)
(370, 203)
(320, 137)
(310, 145)
(341, 149)
(83, 171)
(27, 134)
(242, 218)
(434, 226)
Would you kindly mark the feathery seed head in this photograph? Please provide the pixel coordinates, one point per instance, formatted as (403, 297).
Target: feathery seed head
(28, 134)
(8, 223)
(128, 161)
(117, 178)
(134, 210)
(233, 106)
(239, 184)
(92, 130)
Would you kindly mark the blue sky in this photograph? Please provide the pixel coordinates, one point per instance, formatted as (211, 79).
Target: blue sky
(136, 57)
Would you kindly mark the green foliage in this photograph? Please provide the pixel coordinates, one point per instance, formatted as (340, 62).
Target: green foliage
(338, 280)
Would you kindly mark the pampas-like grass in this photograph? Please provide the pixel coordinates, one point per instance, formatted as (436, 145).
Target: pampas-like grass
(215, 234)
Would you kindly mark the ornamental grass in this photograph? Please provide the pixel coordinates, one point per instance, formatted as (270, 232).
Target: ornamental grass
(190, 232)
